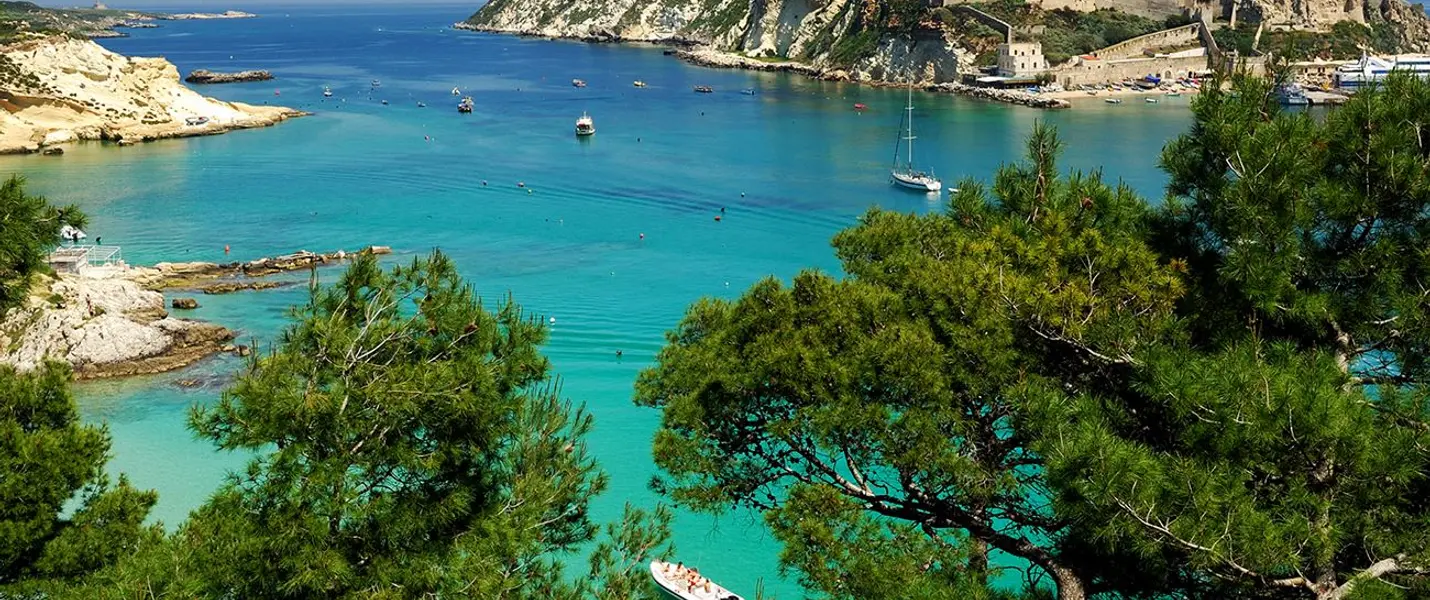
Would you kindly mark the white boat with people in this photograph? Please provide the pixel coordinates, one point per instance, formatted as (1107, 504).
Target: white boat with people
(906, 174)
(585, 126)
(327, 92)
(686, 583)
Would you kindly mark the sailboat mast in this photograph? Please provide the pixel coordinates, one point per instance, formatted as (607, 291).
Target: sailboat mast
(910, 137)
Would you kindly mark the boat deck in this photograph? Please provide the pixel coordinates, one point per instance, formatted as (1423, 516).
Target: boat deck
(680, 588)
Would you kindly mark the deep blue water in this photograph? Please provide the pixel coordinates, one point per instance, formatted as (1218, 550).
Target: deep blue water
(791, 165)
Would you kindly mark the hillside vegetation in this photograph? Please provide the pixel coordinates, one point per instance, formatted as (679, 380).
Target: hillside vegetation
(20, 18)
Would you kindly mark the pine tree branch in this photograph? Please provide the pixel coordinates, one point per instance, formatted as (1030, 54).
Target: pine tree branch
(1229, 563)
(1390, 566)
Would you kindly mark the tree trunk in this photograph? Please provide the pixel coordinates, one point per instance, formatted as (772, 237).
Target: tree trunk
(1070, 585)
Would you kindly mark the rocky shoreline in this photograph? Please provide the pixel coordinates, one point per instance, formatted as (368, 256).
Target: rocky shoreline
(205, 76)
(112, 321)
(59, 90)
(695, 53)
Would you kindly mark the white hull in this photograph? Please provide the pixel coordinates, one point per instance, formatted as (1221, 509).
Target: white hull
(679, 589)
(922, 183)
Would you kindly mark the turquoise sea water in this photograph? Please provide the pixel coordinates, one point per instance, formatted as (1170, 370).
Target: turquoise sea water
(663, 164)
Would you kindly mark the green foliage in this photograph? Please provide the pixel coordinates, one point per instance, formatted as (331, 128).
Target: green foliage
(1343, 42)
(47, 460)
(896, 387)
(408, 443)
(1224, 397)
(29, 227)
(854, 47)
(1067, 33)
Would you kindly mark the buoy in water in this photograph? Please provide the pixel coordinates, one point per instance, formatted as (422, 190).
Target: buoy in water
(225, 248)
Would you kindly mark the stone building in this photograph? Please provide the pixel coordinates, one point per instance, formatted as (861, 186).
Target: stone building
(1019, 59)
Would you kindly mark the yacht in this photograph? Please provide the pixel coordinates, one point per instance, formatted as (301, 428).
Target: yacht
(1370, 70)
(905, 174)
(639, 83)
(580, 83)
(585, 126)
(465, 106)
(704, 89)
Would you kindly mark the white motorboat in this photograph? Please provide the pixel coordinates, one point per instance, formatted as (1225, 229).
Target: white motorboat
(456, 92)
(327, 92)
(585, 126)
(905, 175)
(686, 584)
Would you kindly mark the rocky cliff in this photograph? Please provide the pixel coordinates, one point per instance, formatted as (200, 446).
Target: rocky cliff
(104, 324)
(858, 39)
(61, 89)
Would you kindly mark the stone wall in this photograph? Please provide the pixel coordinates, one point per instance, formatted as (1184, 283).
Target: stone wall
(1138, 46)
(1103, 71)
(991, 21)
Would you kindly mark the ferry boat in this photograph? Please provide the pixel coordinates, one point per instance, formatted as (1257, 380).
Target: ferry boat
(585, 126)
(466, 105)
(704, 89)
(906, 175)
(1370, 70)
(580, 83)
(686, 583)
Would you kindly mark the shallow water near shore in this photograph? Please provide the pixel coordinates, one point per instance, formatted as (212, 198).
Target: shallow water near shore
(791, 165)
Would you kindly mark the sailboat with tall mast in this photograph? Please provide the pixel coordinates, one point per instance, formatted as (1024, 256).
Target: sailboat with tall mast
(906, 174)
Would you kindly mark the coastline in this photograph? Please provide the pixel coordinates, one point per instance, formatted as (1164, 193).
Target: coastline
(58, 90)
(697, 53)
(115, 320)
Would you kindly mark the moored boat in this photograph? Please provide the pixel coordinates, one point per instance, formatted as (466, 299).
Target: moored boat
(1150, 100)
(466, 105)
(456, 92)
(327, 92)
(860, 106)
(585, 126)
(580, 83)
(1112, 100)
(748, 91)
(704, 89)
(686, 583)
(1292, 94)
(905, 174)
(376, 83)
(639, 83)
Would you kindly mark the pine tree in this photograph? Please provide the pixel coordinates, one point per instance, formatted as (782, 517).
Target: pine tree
(49, 460)
(29, 227)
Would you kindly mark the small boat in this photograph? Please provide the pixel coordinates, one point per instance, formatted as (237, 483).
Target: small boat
(1112, 100)
(704, 89)
(277, 93)
(1150, 100)
(585, 126)
(421, 105)
(580, 83)
(1173, 94)
(748, 91)
(465, 106)
(860, 106)
(327, 92)
(456, 92)
(687, 584)
(196, 121)
(376, 83)
(384, 103)
(639, 83)
(905, 174)
(1292, 94)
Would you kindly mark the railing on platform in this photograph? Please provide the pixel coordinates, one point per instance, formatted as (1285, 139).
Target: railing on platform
(73, 256)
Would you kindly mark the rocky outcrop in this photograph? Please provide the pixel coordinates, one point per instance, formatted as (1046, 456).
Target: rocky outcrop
(204, 76)
(824, 36)
(1009, 96)
(1406, 23)
(59, 89)
(104, 325)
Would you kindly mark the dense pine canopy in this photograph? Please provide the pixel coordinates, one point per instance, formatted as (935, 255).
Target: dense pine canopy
(1221, 396)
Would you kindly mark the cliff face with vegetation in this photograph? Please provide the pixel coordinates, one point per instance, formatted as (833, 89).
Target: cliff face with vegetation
(888, 40)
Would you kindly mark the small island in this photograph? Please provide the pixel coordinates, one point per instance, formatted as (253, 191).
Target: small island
(204, 76)
(228, 14)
